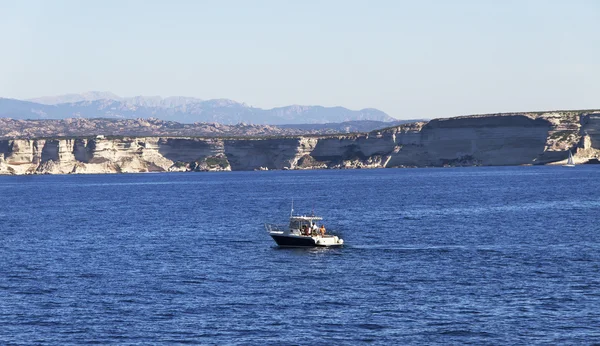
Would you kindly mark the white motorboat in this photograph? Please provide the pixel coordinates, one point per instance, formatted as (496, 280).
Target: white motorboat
(303, 231)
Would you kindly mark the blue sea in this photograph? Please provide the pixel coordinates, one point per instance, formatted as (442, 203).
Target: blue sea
(437, 256)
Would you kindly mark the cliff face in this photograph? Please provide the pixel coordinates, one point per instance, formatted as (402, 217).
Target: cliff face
(503, 139)
(484, 140)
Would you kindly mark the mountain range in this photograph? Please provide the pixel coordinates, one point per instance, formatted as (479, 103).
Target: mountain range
(180, 109)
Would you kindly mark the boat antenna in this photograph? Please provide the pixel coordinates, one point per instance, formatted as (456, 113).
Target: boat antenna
(292, 211)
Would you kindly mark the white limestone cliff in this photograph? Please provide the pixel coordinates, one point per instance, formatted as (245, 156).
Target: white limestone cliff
(506, 139)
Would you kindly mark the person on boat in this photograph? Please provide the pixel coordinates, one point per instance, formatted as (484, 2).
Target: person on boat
(305, 230)
(314, 229)
(322, 230)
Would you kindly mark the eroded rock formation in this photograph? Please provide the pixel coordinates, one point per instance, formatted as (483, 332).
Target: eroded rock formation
(501, 139)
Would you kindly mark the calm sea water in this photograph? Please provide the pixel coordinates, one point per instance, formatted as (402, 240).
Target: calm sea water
(433, 256)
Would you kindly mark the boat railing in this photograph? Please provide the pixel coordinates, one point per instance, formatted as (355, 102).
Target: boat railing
(274, 228)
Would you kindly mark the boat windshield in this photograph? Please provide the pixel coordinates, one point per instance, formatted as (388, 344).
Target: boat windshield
(297, 224)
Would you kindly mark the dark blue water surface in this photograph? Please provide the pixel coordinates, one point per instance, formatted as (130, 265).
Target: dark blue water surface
(433, 256)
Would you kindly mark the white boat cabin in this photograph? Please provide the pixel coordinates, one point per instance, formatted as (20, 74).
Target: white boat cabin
(304, 225)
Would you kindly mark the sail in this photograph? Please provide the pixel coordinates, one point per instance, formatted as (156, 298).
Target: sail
(570, 161)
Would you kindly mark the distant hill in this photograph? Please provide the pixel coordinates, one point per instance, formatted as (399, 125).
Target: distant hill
(78, 127)
(179, 109)
(347, 126)
(72, 98)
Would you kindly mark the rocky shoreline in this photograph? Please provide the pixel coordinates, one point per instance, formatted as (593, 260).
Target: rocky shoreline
(481, 140)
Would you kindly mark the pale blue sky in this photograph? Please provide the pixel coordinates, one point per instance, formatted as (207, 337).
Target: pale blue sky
(410, 59)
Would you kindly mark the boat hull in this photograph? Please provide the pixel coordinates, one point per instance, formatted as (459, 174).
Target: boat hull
(288, 241)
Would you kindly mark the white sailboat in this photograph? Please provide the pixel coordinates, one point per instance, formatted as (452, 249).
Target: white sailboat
(570, 162)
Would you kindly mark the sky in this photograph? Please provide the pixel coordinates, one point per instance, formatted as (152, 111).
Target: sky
(410, 59)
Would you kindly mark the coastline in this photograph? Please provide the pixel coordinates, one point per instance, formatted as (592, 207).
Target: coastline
(482, 140)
